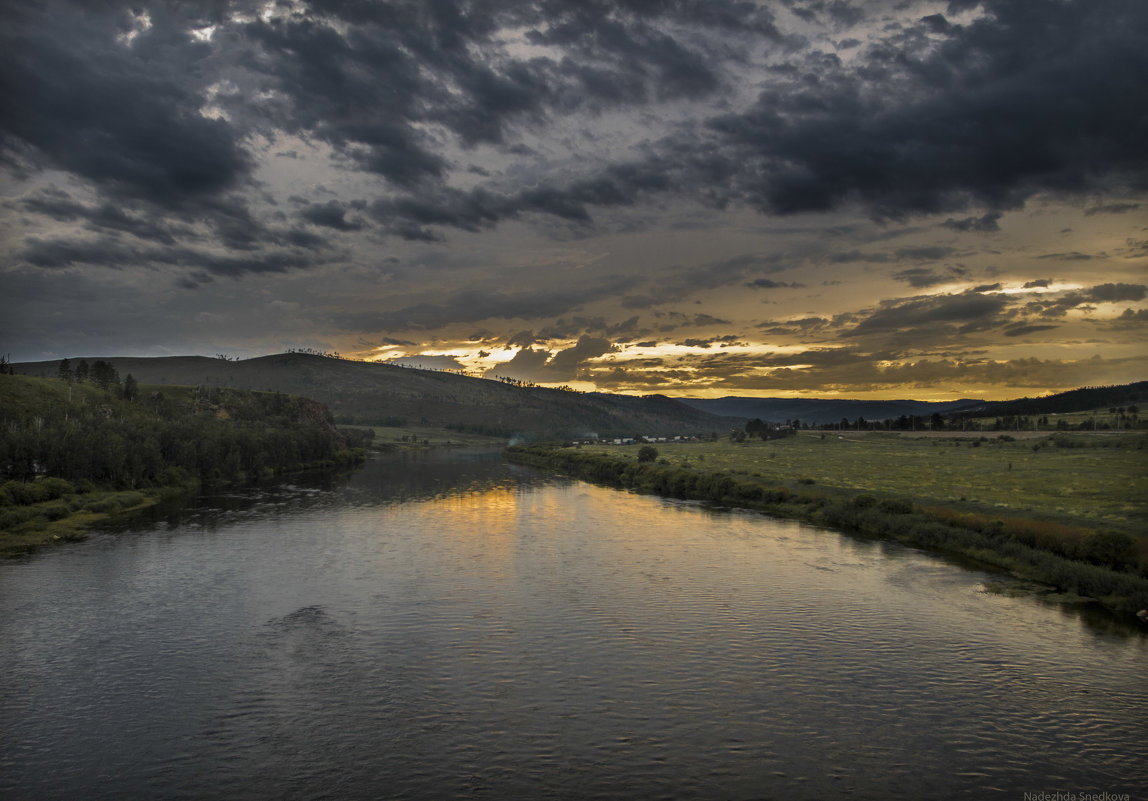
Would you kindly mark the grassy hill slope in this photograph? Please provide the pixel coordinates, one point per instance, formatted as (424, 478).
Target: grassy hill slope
(817, 411)
(379, 394)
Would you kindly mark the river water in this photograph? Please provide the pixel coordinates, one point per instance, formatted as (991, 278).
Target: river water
(446, 625)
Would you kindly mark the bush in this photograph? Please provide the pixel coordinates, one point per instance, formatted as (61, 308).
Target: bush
(56, 487)
(647, 453)
(14, 517)
(1110, 548)
(895, 506)
(54, 511)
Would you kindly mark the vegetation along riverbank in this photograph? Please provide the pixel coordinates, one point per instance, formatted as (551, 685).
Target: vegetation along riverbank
(75, 451)
(1068, 511)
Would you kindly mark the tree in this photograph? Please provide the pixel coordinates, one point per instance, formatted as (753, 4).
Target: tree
(104, 375)
(82, 371)
(65, 371)
(647, 453)
(131, 388)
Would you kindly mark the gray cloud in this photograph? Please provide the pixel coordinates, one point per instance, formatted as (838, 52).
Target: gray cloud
(331, 214)
(968, 311)
(469, 306)
(987, 223)
(564, 365)
(1058, 306)
(1112, 208)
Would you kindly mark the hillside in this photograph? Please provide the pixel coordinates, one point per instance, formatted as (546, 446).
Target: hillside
(816, 411)
(378, 394)
(1076, 400)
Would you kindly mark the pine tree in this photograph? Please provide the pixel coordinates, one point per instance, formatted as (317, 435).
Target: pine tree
(104, 375)
(131, 388)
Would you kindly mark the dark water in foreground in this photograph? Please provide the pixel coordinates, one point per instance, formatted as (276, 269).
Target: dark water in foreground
(455, 627)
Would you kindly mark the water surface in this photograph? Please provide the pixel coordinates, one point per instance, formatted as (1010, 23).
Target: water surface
(450, 626)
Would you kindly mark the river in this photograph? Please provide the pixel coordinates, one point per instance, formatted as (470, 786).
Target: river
(446, 625)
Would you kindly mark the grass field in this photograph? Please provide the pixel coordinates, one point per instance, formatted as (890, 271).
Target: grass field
(416, 436)
(1103, 485)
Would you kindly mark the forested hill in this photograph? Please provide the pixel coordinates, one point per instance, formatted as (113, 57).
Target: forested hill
(131, 435)
(379, 394)
(1076, 400)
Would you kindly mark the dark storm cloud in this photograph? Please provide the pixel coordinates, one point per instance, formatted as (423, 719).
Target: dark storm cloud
(124, 118)
(1031, 97)
(409, 215)
(931, 115)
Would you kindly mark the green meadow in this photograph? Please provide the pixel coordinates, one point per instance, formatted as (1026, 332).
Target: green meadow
(1099, 480)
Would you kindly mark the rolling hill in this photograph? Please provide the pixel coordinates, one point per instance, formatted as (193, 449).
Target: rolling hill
(817, 411)
(368, 393)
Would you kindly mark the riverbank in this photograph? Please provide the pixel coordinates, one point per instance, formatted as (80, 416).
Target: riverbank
(68, 514)
(1077, 562)
(51, 511)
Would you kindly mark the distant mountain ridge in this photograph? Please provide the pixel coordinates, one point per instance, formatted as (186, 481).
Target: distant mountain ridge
(371, 393)
(817, 411)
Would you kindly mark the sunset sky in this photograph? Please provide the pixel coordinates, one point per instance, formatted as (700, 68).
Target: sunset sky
(692, 197)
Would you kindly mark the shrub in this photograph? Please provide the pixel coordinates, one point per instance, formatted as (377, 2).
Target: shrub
(14, 517)
(54, 511)
(1110, 548)
(647, 453)
(55, 487)
(895, 506)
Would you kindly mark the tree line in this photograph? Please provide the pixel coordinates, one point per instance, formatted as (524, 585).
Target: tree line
(115, 439)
